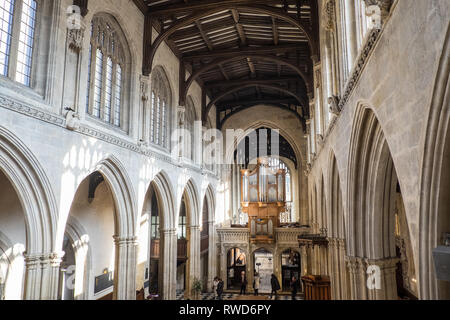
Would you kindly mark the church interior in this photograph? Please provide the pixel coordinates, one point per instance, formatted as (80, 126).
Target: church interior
(161, 149)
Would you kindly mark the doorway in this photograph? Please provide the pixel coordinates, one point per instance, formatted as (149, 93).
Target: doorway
(264, 266)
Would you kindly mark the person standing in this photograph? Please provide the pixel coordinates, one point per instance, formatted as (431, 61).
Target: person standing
(215, 284)
(275, 286)
(294, 287)
(219, 289)
(243, 282)
(256, 284)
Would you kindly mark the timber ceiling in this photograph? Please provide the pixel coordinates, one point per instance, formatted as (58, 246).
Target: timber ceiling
(242, 52)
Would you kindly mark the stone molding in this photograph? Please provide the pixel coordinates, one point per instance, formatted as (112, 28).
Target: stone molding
(87, 130)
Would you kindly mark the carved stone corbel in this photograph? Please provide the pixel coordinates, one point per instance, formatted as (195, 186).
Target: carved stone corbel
(333, 101)
(72, 120)
(383, 5)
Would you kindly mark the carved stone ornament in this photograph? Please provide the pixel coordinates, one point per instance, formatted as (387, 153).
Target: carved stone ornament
(75, 39)
(333, 101)
(329, 9)
(383, 5)
(144, 90)
(181, 115)
(72, 120)
(320, 139)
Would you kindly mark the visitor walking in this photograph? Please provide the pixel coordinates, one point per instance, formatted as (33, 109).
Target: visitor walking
(219, 289)
(243, 282)
(275, 286)
(215, 284)
(294, 287)
(256, 284)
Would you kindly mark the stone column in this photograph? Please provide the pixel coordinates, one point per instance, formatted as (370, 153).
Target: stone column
(212, 256)
(229, 195)
(144, 114)
(193, 269)
(350, 33)
(223, 265)
(351, 265)
(342, 270)
(387, 289)
(332, 266)
(169, 263)
(125, 268)
(42, 276)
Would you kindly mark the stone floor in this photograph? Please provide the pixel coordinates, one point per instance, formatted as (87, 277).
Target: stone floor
(235, 296)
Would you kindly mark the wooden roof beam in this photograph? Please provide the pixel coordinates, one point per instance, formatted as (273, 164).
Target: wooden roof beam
(247, 50)
(224, 73)
(165, 10)
(239, 27)
(252, 68)
(276, 36)
(188, 20)
(233, 83)
(299, 100)
(204, 35)
(225, 106)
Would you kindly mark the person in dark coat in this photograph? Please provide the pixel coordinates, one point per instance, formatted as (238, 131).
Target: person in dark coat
(275, 286)
(243, 282)
(294, 287)
(219, 289)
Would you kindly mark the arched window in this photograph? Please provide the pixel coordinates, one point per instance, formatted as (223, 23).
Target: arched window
(17, 37)
(159, 113)
(105, 92)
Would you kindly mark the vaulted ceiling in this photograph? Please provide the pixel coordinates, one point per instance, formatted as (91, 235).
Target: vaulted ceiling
(242, 52)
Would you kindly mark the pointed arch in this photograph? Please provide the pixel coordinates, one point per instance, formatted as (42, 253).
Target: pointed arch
(434, 205)
(211, 202)
(166, 199)
(123, 193)
(192, 202)
(34, 191)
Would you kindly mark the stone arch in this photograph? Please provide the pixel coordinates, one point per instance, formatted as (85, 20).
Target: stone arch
(211, 202)
(192, 202)
(76, 232)
(372, 192)
(36, 196)
(125, 221)
(124, 196)
(34, 191)
(435, 181)
(336, 231)
(166, 199)
(336, 219)
(229, 152)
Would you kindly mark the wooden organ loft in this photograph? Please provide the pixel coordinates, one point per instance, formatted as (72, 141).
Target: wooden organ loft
(263, 195)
